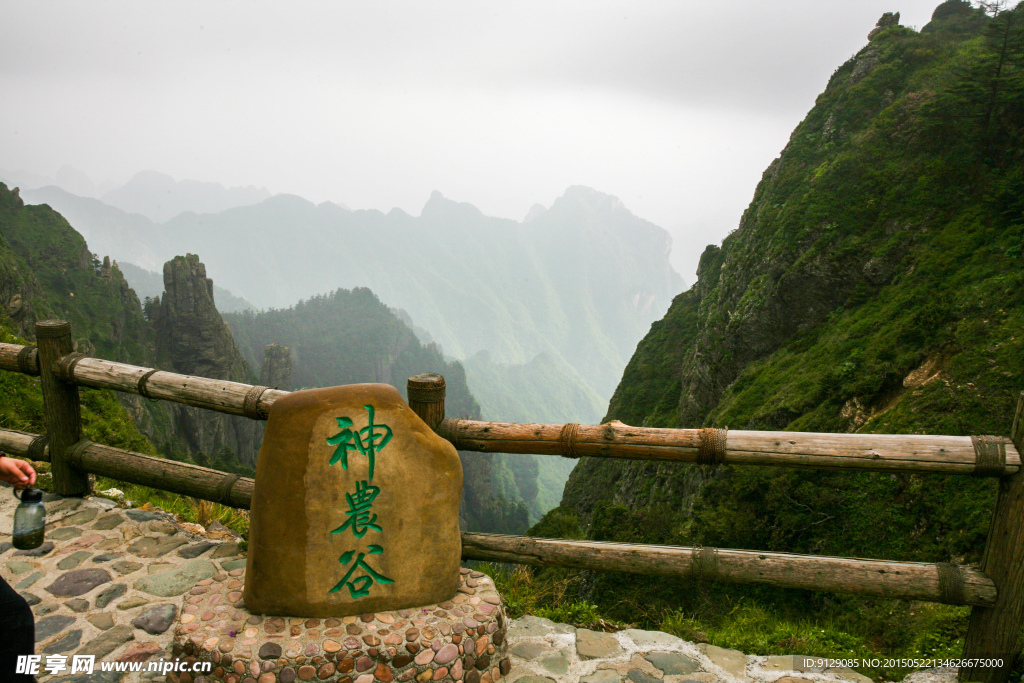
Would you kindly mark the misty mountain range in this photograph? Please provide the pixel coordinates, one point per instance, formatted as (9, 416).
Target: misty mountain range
(580, 281)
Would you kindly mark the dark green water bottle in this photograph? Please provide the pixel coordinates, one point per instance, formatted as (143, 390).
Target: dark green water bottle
(29, 520)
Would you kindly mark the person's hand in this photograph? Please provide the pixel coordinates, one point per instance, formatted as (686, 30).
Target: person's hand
(17, 473)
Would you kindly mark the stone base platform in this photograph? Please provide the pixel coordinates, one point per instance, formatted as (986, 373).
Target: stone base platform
(462, 639)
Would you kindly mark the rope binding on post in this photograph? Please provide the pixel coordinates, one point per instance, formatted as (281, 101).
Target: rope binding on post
(140, 386)
(28, 364)
(251, 404)
(989, 456)
(64, 367)
(224, 489)
(37, 449)
(952, 590)
(712, 446)
(704, 564)
(74, 455)
(567, 438)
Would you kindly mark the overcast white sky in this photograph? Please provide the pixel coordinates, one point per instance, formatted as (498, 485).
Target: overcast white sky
(674, 107)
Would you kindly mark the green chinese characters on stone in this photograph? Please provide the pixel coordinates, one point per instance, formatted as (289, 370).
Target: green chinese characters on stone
(360, 586)
(367, 440)
(358, 512)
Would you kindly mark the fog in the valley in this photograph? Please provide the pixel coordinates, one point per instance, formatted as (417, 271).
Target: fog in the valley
(674, 107)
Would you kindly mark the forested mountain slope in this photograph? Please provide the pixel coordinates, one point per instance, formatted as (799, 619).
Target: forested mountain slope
(874, 285)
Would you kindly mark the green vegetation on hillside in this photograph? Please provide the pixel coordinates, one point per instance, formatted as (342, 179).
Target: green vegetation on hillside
(873, 285)
(348, 337)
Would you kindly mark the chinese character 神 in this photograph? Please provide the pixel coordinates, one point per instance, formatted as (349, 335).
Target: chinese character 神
(366, 440)
(360, 586)
(359, 510)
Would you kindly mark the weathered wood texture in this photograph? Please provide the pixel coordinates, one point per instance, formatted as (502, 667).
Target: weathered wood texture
(169, 475)
(18, 358)
(907, 580)
(426, 393)
(994, 632)
(62, 413)
(138, 468)
(871, 452)
(220, 395)
(20, 444)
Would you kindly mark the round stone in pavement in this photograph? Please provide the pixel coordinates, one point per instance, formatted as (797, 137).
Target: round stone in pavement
(68, 642)
(156, 619)
(672, 663)
(102, 621)
(30, 598)
(190, 552)
(81, 517)
(531, 650)
(49, 626)
(64, 533)
(132, 603)
(77, 605)
(638, 676)
(270, 651)
(110, 593)
(602, 676)
(176, 581)
(106, 557)
(596, 645)
(73, 560)
(108, 641)
(107, 522)
(36, 552)
(142, 515)
(535, 679)
(78, 582)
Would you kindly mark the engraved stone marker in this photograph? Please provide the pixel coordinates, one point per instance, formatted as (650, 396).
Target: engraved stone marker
(355, 508)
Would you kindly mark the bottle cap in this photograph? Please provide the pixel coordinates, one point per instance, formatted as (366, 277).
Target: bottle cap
(31, 495)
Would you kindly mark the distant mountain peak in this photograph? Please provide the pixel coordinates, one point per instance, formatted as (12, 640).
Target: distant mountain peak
(438, 206)
(587, 196)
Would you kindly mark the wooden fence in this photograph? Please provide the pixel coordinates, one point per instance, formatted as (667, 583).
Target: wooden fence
(995, 590)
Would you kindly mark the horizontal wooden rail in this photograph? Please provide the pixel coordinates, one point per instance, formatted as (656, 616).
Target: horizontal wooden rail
(907, 580)
(138, 468)
(17, 358)
(869, 452)
(959, 585)
(220, 395)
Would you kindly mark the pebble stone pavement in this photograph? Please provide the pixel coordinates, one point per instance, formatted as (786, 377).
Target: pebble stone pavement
(109, 581)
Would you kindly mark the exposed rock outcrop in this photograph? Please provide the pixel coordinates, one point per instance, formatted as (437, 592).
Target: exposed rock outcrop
(277, 367)
(192, 339)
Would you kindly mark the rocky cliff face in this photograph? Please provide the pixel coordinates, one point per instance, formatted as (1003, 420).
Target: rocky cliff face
(277, 367)
(47, 271)
(855, 294)
(192, 339)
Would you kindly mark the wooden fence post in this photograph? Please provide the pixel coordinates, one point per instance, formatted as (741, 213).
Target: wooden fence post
(994, 632)
(426, 393)
(62, 414)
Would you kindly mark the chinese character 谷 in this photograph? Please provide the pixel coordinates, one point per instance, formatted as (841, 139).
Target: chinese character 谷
(360, 585)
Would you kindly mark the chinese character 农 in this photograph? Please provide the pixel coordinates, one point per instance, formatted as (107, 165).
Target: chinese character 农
(359, 510)
(360, 586)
